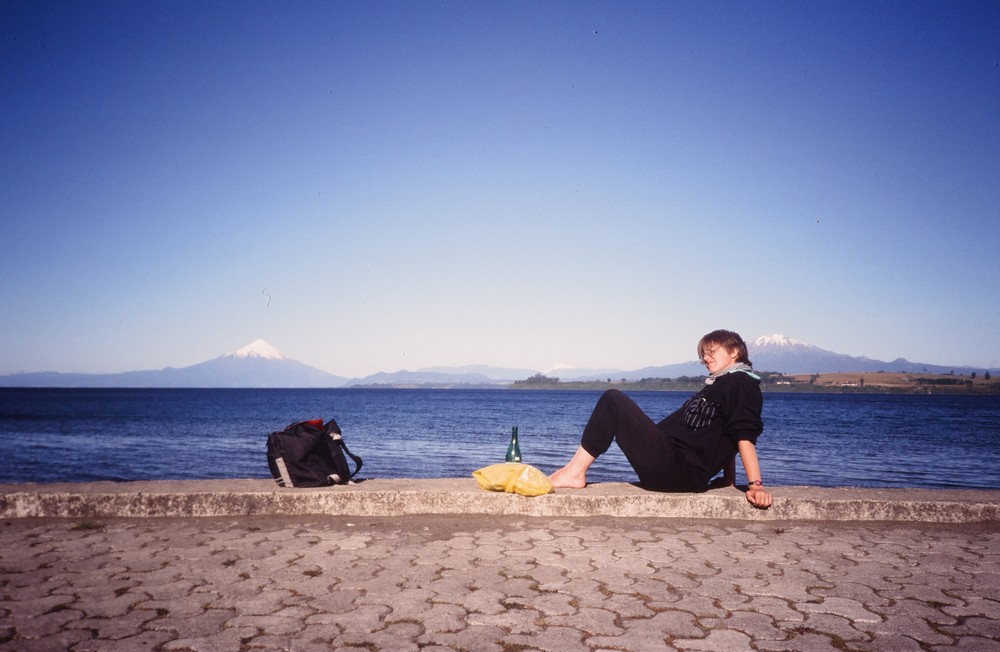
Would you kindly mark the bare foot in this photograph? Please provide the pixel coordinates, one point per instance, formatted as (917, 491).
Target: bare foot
(567, 478)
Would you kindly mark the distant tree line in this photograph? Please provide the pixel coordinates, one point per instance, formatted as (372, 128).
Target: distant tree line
(538, 379)
(943, 381)
(773, 377)
(771, 381)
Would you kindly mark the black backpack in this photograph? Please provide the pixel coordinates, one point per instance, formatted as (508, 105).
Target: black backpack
(310, 454)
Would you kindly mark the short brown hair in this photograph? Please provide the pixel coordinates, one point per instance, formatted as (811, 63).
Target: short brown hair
(727, 339)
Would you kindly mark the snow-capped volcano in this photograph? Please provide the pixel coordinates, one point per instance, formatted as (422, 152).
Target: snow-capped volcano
(780, 353)
(783, 354)
(257, 349)
(256, 365)
(777, 339)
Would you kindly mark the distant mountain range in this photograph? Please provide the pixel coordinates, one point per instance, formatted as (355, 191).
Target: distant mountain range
(785, 355)
(256, 365)
(261, 365)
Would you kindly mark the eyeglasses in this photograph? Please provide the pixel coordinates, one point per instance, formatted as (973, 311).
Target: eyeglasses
(709, 352)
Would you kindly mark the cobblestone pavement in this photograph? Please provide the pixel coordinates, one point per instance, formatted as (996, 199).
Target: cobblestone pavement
(495, 583)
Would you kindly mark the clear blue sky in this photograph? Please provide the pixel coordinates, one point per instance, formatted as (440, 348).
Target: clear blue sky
(374, 186)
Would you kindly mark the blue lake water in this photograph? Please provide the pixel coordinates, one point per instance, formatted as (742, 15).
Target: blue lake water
(861, 440)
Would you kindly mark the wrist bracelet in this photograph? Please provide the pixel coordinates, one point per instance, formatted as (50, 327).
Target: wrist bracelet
(756, 483)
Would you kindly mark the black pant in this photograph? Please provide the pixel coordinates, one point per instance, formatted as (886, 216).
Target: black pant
(648, 448)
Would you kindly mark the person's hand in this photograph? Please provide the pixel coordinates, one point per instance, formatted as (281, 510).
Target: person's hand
(758, 497)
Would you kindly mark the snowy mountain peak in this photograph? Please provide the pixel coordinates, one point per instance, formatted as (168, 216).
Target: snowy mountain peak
(776, 339)
(257, 349)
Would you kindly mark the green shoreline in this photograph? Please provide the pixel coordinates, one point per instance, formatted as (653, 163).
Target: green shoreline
(773, 382)
(669, 386)
(673, 385)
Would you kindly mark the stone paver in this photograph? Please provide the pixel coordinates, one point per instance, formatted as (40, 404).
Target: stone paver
(475, 582)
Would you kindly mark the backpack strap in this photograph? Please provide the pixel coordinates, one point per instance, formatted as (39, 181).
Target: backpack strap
(357, 460)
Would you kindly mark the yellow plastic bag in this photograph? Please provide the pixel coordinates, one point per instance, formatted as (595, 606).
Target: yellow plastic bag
(522, 479)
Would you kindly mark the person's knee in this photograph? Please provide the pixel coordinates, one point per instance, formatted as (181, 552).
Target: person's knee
(614, 395)
(616, 401)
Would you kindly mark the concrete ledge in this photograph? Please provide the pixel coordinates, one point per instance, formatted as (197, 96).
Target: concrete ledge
(379, 497)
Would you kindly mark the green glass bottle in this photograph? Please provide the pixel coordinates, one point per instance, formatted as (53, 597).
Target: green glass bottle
(513, 451)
